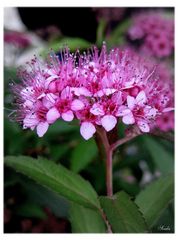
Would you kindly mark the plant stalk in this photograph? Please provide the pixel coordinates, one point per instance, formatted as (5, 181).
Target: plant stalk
(109, 181)
(108, 155)
(109, 149)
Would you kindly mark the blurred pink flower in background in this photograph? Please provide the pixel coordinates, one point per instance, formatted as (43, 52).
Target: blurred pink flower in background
(19, 39)
(156, 30)
(109, 14)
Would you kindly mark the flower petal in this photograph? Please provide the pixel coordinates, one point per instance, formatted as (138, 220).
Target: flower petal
(117, 97)
(108, 122)
(168, 109)
(141, 98)
(29, 103)
(30, 120)
(150, 112)
(97, 109)
(81, 91)
(128, 119)
(123, 110)
(66, 93)
(87, 130)
(105, 91)
(49, 100)
(68, 116)
(144, 127)
(42, 128)
(50, 79)
(77, 105)
(52, 115)
(131, 102)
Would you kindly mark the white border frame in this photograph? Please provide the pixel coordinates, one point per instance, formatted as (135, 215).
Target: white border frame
(89, 3)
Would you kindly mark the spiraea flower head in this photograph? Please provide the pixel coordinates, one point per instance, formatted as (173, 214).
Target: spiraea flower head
(155, 30)
(98, 88)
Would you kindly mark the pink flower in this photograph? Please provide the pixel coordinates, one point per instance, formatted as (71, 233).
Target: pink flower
(97, 90)
(87, 130)
(165, 122)
(156, 31)
(139, 113)
(18, 39)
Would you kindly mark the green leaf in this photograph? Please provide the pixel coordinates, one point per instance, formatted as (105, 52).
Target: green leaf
(155, 198)
(165, 223)
(44, 197)
(57, 178)
(123, 214)
(162, 158)
(31, 210)
(61, 127)
(82, 155)
(72, 43)
(100, 32)
(56, 152)
(117, 35)
(85, 220)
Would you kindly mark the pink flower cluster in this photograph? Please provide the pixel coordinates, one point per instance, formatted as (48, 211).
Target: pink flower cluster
(97, 88)
(18, 39)
(165, 122)
(156, 30)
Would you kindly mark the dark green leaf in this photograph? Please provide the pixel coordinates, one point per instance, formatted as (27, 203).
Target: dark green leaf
(61, 127)
(72, 43)
(57, 178)
(162, 158)
(117, 35)
(165, 223)
(56, 152)
(155, 198)
(83, 154)
(85, 220)
(44, 197)
(31, 210)
(123, 214)
(100, 32)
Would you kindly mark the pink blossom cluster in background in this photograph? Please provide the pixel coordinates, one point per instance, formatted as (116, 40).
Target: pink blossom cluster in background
(18, 39)
(97, 88)
(156, 30)
(109, 14)
(166, 121)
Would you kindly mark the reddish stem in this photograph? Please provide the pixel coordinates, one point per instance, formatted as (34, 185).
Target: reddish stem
(134, 132)
(108, 154)
(109, 149)
(109, 173)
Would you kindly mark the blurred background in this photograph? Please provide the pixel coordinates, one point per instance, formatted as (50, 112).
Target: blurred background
(30, 208)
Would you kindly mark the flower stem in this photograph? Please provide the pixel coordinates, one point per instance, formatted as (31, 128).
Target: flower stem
(109, 149)
(108, 154)
(109, 184)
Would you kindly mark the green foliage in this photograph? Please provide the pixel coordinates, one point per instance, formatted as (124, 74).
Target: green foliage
(58, 151)
(43, 197)
(85, 220)
(162, 157)
(83, 154)
(60, 127)
(123, 214)
(155, 198)
(56, 178)
(100, 32)
(31, 210)
(165, 223)
(71, 42)
(117, 36)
